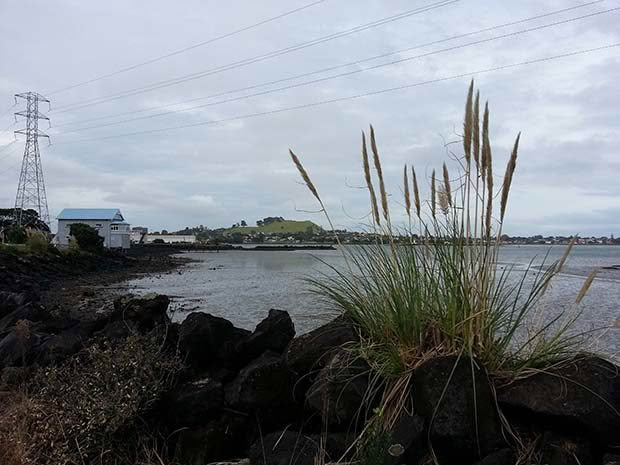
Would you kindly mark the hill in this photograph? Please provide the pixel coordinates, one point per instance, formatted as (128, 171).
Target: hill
(286, 226)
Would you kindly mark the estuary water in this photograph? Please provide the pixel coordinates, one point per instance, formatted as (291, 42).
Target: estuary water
(243, 285)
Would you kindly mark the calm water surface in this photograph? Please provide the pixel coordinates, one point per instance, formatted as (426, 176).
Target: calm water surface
(243, 285)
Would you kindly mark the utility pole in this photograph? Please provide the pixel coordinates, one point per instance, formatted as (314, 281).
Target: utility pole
(31, 188)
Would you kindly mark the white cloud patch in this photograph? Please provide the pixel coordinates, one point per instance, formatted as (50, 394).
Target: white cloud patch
(217, 174)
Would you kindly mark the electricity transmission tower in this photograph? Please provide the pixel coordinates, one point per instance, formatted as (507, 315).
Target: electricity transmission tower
(31, 188)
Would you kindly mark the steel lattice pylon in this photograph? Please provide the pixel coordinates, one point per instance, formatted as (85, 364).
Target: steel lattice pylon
(31, 189)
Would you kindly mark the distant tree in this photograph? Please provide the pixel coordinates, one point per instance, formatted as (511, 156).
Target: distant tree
(243, 223)
(236, 238)
(272, 219)
(16, 235)
(87, 238)
(260, 223)
(164, 231)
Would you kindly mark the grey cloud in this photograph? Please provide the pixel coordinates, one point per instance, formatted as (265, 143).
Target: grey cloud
(218, 174)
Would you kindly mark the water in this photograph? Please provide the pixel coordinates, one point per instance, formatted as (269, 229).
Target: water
(243, 285)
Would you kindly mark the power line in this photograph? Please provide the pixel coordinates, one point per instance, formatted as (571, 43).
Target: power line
(333, 68)
(191, 47)
(349, 73)
(7, 112)
(5, 146)
(351, 97)
(15, 165)
(9, 153)
(255, 59)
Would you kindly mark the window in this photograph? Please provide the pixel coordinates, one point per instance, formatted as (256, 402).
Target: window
(114, 227)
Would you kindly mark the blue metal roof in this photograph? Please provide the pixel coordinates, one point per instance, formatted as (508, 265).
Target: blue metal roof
(111, 214)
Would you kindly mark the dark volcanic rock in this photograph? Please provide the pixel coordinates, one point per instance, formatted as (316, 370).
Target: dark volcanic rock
(462, 419)
(273, 333)
(265, 387)
(582, 394)
(30, 311)
(285, 448)
(9, 301)
(146, 312)
(208, 341)
(16, 348)
(226, 437)
(504, 456)
(291, 447)
(338, 392)
(611, 459)
(116, 330)
(195, 403)
(57, 347)
(311, 351)
(558, 449)
(408, 432)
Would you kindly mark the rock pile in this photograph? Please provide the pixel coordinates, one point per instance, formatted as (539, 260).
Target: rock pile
(266, 398)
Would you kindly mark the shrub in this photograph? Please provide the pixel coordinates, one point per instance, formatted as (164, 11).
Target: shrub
(159, 241)
(37, 242)
(432, 287)
(86, 408)
(87, 238)
(16, 235)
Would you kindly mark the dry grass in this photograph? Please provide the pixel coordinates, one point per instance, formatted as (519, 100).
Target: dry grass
(85, 410)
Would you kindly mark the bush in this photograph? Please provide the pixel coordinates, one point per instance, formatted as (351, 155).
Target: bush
(16, 235)
(87, 408)
(37, 242)
(159, 241)
(87, 238)
(432, 288)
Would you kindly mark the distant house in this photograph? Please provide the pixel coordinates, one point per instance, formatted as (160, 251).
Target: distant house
(109, 222)
(170, 238)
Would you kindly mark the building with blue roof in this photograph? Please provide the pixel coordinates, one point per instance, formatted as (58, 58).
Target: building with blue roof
(109, 223)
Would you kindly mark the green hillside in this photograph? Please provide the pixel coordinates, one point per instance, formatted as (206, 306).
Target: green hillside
(286, 226)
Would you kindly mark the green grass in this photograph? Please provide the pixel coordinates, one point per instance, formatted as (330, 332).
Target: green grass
(445, 295)
(286, 226)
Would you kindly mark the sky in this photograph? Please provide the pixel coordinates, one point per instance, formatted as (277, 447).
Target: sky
(221, 155)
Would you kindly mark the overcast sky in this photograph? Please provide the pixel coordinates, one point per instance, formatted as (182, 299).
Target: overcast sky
(567, 178)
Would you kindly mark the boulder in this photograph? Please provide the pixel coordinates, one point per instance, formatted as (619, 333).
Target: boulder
(312, 351)
(407, 434)
(285, 448)
(583, 394)
(116, 330)
(31, 312)
(147, 311)
(16, 347)
(454, 396)
(338, 392)
(611, 459)
(234, 462)
(221, 439)
(10, 301)
(195, 403)
(505, 456)
(560, 449)
(208, 341)
(264, 387)
(273, 333)
(57, 347)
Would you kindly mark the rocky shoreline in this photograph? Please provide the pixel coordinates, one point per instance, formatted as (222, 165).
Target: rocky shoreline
(267, 397)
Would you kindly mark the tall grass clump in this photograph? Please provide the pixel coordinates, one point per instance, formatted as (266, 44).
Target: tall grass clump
(433, 287)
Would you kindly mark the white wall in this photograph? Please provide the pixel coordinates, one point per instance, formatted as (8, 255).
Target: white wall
(102, 227)
(111, 239)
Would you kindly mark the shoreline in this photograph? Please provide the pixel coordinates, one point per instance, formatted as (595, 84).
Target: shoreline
(206, 391)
